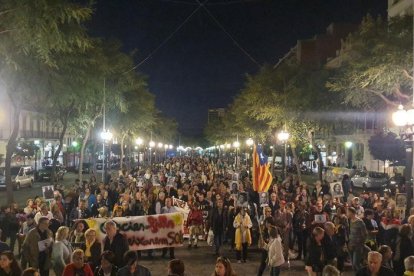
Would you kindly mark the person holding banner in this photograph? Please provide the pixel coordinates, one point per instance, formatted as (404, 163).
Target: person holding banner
(167, 209)
(115, 242)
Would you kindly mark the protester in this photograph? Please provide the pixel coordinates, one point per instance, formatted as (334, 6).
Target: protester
(30, 272)
(409, 266)
(115, 242)
(315, 260)
(39, 256)
(92, 248)
(132, 268)
(218, 223)
(9, 265)
(242, 224)
(107, 266)
(403, 249)
(374, 267)
(275, 249)
(167, 209)
(61, 251)
(357, 238)
(78, 265)
(176, 268)
(223, 268)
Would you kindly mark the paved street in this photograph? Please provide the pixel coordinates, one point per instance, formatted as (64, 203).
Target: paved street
(202, 263)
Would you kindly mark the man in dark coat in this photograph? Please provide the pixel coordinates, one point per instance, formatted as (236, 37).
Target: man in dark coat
(115, 242)
(218, 223)
(374, 266)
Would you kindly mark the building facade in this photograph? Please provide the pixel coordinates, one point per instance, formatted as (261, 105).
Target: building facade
(34, 129)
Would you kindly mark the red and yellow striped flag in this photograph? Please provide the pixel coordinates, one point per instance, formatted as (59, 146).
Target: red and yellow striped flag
(262, 177)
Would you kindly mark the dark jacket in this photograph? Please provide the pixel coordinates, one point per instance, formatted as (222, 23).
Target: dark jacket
(96, 250)
(118, 246)
(382, 272)
(99, 272)
(315, 257)
(218, 222)
(139, 271)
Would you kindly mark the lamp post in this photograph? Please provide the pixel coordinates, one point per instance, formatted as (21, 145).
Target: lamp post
(106, 136)
(236, 145)
(348, 146)
(283, 136)
(249, 144)
(139, 141)
(151, 145)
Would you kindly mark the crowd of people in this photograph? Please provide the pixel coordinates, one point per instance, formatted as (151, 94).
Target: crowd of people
(323, 228)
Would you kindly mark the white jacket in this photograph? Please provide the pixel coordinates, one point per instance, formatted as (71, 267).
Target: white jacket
(275, 252)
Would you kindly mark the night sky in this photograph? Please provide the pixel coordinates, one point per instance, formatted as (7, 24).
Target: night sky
(200, 67)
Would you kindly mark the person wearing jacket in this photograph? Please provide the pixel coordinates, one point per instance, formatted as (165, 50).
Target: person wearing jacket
(194, 224)
(218, 223)
(107, 266)
(62, 250)
(315, 260)
(92, 248)
(275, 252)
(115, 242)
(39, 258)
(242, 223)
(357, 236)
(403, 249)
(78, 265)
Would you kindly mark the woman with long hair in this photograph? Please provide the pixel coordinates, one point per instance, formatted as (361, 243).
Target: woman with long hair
(223, 268)
(9, 265)
(62, 250)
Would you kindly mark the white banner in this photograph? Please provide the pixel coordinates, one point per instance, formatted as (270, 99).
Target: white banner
(145, 232)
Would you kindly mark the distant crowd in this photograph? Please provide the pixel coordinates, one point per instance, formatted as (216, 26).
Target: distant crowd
(326, 228)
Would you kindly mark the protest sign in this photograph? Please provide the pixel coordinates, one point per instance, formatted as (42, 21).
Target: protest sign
(48, 192)
(145, 232)
(336, 189)
(182, 207)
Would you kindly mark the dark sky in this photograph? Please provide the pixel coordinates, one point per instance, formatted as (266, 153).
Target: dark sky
(200, 67)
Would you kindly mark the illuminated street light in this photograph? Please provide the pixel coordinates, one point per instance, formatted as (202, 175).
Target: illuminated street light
(74, 144)
(106, 135)
(222, 146)
(348, 144)
(236, 144)
(249, 142)
(228, 146)
(283, 136)
(139, 141)
(160, 145)
(151, 144)
(170, 146)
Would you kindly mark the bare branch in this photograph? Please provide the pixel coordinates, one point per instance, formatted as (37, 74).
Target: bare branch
(385, 99)
(398, 92)
(408, 75)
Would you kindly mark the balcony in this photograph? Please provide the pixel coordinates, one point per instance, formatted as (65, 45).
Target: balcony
(29, 134)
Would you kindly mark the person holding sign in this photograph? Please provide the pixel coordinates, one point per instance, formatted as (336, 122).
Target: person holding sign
(38, 245)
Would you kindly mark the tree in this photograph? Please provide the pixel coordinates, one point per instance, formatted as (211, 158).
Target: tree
(32, 35)
(386, 146)
(376, 64)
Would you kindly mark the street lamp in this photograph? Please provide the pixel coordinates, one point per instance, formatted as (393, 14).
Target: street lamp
(348, 146)
(139, 141)
(151, 145)
(37, 144)
(249, 144)
(236, 145)
(165, 151)
(106, 136)
(283, 136)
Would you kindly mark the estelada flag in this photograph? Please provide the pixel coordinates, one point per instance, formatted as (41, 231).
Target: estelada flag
(262, 177)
